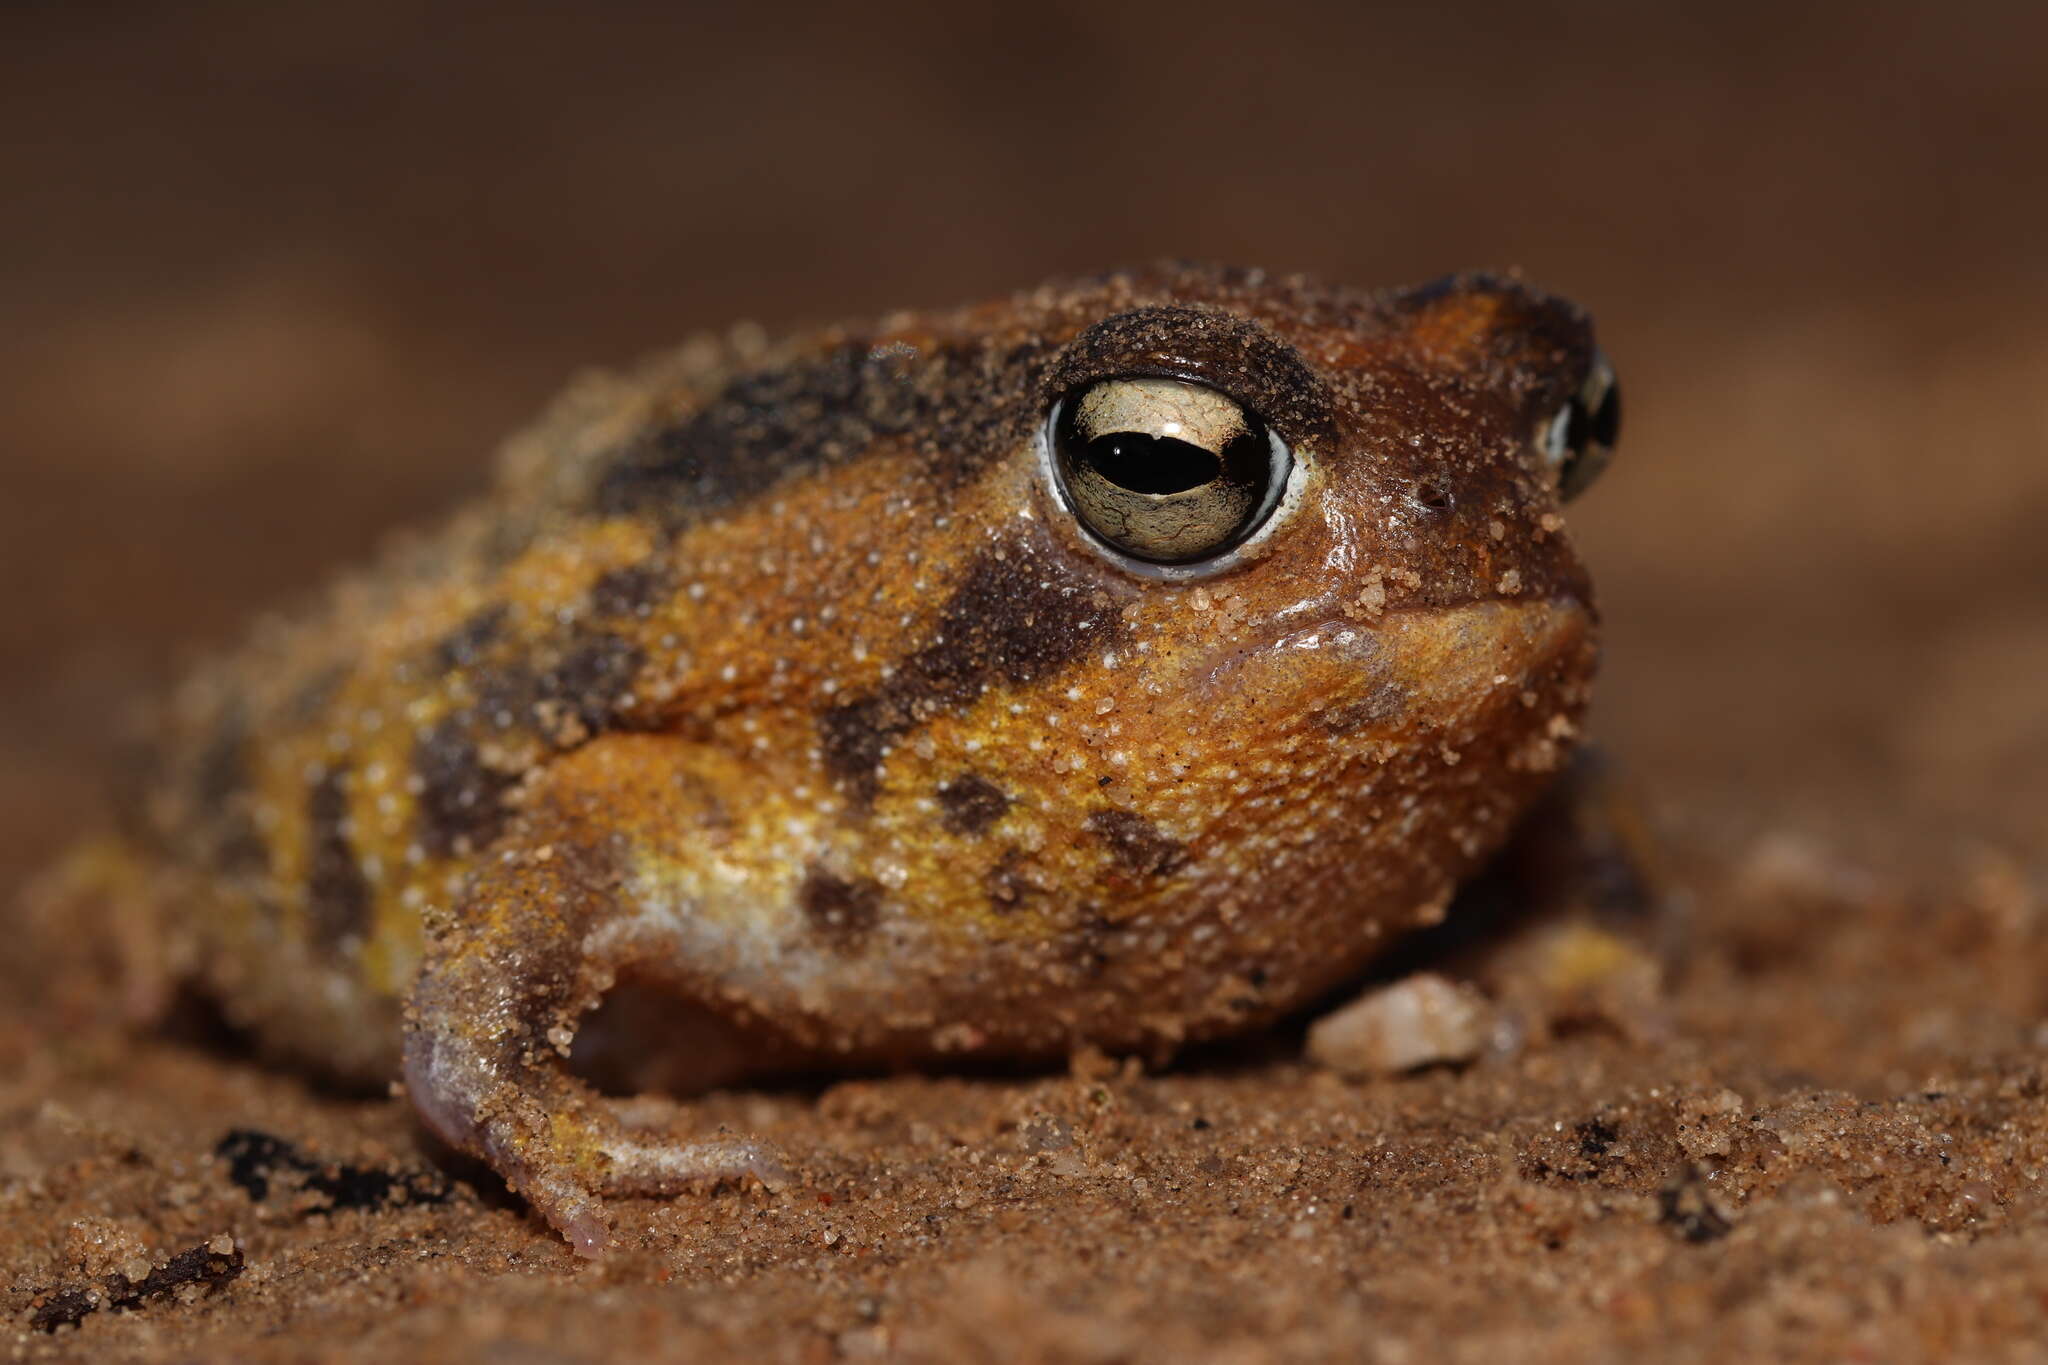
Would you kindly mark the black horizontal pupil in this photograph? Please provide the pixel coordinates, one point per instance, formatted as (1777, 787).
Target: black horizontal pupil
(1151, 464)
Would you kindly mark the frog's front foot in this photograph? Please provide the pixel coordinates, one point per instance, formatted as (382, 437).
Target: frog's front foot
(562, 1148)
(541, 934)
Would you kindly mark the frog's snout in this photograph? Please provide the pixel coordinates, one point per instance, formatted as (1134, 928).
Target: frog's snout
(1455, 664)
(1413, 668)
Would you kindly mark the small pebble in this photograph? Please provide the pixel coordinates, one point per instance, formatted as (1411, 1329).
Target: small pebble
(1421, 1020)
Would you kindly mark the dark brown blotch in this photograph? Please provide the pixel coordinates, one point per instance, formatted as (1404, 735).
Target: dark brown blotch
(764, 426)
(843, 911)
(1137, 844)
(463, 646)
(855, 737)
(970, 803)
(629, 592)
(593, 678)
(586, 676)
(1010, 884)
(337, 892)
(461, 800)
(958, 403)
(578, 689)
(1017, 617)
(220, 820)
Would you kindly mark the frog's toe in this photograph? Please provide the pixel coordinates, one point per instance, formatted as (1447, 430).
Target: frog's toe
(589, 1235)
(579, 1155)
(569, 1206)
(640, 1163)
(562, 1149)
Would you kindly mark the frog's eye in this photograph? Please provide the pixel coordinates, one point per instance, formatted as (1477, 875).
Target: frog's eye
(1166, 470)
(1578, 439)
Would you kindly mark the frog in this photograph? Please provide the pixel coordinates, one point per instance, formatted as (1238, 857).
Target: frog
(1119, 665)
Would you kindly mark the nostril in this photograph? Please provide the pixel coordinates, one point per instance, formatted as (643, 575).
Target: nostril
(1433, 496)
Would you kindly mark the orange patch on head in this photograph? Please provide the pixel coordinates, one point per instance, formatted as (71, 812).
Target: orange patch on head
(1456, 328)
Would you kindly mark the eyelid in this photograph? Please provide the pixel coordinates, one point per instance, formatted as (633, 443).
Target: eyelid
(1191, 412)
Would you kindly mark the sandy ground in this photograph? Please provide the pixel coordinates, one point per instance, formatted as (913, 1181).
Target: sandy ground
(272, 283)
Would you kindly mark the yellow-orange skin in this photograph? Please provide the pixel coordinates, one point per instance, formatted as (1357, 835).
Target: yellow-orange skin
(1218, 795)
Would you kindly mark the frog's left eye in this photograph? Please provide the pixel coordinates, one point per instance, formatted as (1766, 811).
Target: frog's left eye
(1166, 470)
(1578, 439)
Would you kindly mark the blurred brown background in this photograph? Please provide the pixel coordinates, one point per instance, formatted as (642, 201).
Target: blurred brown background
(274, 278)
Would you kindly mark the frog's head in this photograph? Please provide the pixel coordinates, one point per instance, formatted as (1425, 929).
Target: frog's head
(1165, 628)
(1349, 636)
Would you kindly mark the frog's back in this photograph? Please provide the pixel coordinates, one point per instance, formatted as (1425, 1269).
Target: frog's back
(312, 795)
(316, 794)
